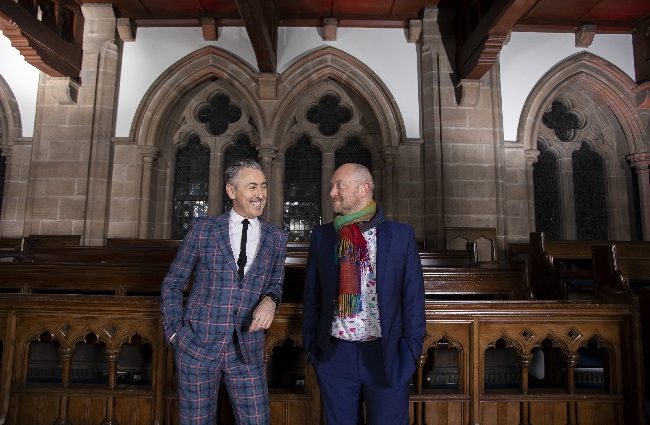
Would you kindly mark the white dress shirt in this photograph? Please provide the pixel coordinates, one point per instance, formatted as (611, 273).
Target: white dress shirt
(252, 237)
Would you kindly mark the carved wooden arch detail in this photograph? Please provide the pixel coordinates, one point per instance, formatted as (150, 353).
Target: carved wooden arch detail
(431, 341)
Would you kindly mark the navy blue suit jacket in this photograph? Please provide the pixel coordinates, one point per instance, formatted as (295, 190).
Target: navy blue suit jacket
(400, 296)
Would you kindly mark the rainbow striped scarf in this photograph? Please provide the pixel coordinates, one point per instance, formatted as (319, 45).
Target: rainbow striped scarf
(351, 254)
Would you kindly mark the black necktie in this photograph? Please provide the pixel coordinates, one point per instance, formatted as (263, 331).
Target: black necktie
(241, 262)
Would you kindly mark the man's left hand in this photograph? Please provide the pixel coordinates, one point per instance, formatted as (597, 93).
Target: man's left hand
(263, 315)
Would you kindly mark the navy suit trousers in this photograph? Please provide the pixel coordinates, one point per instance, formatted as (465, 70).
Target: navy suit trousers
(351, 373)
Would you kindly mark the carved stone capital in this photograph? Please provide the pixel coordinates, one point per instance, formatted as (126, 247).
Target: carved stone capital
(531, 156)
(148, 153)
(388, 154)
(6, 151)
(639, 161)
(267, 153)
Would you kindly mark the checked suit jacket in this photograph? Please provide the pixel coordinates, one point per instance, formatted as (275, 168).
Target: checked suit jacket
(400, 297)
(219, 304)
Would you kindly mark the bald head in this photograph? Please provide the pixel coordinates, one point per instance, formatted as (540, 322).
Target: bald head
(351, 189)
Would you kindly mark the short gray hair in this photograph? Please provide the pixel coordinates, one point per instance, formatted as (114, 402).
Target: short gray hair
(232, 172)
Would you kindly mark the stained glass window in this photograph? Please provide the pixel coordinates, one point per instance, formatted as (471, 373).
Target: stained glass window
(548, 217)
(242, 149)
(302, 189)
(352, 151)
(192, 174)
(589, 192)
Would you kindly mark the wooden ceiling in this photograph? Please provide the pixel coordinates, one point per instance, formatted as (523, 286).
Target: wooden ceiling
(53, 42)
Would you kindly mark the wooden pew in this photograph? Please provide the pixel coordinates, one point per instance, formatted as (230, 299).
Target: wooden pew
(11, 249)
(82, 278)
(477, 283)
(296, 261)
(451, 257)
(151, 243)
(563, 269)
(102, 254)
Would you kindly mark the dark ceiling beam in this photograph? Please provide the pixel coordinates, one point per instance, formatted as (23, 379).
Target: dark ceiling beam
(262, 27)
(478, 53)
(39, 45)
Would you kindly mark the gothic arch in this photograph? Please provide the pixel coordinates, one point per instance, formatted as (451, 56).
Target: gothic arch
(378, 121)
(600, 78)
(162, 106)
(602, 100)
(329, 63)
(10, 122)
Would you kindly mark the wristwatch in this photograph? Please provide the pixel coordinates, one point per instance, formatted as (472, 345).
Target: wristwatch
(273, 297)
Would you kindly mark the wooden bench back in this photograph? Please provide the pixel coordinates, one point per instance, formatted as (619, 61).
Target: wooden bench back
(101, 254)
(554, 263)
(476, 283)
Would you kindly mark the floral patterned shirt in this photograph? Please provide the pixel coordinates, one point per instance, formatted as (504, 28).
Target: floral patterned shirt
(363, 326)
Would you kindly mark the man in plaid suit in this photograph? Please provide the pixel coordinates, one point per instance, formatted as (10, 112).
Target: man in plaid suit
(219, 334)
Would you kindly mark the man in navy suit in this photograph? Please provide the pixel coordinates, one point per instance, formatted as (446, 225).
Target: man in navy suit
(363, 308)
(219, 334)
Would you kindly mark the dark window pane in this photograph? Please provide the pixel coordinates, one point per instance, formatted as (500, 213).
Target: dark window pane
(352, 151)
(242, 149)
(302, 190)
(589, 192)
(191, 179)
(547, 194)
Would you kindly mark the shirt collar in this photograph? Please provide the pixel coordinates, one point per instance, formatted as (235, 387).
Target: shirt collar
(237, 219)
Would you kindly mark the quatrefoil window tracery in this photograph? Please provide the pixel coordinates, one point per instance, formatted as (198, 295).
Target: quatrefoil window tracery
(562, 120)
(219, 114)
(329, 114)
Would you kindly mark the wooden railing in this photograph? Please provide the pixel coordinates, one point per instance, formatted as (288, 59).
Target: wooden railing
(81, 343)
(470, 329)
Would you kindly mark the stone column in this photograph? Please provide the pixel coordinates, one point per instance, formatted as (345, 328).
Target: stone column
(272, 211)
(216, 184)
(641, 163)
(148, 155)
(432, 53)
(5, 154)
(327, 172)
(99, 67)
(531, 159)
(69, 180)
(388, 157)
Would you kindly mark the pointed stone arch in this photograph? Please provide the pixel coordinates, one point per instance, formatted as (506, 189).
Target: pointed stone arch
(378, 119)
(601, 79)
(166, 115)
(160, 108)
(11, 223)
(605, 99)
(10, 121)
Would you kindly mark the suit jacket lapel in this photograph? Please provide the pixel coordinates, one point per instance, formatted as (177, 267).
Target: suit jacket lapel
(383, 246)
(220, 231)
